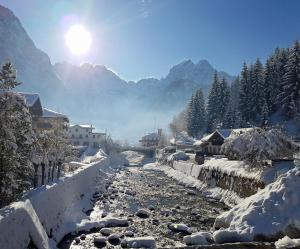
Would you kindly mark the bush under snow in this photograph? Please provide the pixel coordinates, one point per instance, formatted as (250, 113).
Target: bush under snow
(271, 213)
(257, 145)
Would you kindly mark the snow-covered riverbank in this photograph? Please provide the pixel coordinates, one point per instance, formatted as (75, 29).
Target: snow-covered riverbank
(53, 210)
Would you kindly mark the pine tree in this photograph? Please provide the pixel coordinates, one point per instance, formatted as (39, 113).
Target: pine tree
(290, 96)
(200, 112)
(196, 114)
(232, 116)
(244, 94)
(16, 139)
(213, 113)
(258, 89)
(8, 79)
(224, 98)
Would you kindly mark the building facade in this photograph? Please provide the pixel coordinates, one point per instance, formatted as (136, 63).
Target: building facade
(83, 135)
(151, 139)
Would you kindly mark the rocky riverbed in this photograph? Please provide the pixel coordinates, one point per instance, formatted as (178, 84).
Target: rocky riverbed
(153, 204)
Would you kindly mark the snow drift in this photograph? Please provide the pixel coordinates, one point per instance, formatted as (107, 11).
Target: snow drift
(271, 213)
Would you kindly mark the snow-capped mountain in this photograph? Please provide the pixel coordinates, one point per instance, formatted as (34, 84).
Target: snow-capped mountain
(94, 93)
(33, 65)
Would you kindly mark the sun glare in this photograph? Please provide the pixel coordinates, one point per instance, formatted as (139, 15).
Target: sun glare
(78, 39)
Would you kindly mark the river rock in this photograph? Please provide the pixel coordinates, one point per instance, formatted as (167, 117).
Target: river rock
(114, 239)
(82, 236)
(179, 228)
(142, 213)
(129, 234)
(100, 242)
(77, 240)
(106, 231)
(151, 207)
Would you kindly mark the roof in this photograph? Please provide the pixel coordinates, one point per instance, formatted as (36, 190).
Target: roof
(224, 133)
(47, 113)
(151, 136)
(84, 126)
(30, 98)
(182, 138)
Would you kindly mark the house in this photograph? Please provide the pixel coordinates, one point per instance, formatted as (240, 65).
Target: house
(84, 135)
(43, 118)
(182, 141)
(211, 144)
(151, 139)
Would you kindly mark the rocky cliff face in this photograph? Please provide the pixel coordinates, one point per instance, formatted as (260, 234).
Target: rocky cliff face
(33, 65)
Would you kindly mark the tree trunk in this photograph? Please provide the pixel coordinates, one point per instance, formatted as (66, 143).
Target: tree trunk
(58, 169)
(43, 173)
(53, 169)
(49, 170)
(35, 177)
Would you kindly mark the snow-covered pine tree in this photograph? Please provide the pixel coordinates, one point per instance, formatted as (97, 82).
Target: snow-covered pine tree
(258, 85)
(16, 139)
(213, 113)
(245, 95)
(8, 78)
(200, 113)
(190, 117)
(290, 95)
(224, 98)
(232, 116)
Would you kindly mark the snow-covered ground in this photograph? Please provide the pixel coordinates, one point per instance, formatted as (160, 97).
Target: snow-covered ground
(133, 158)
(271, 213)
(55, 209)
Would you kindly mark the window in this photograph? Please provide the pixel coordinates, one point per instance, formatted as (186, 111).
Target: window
(76, 130)
(80, 136)
(73, 136)
(93, 136)
(86, 143)
(86, 136)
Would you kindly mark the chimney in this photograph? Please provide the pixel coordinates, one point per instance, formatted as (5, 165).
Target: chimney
(159, 132)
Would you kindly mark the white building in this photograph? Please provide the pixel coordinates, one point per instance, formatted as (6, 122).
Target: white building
(84, 135)
(151, 139)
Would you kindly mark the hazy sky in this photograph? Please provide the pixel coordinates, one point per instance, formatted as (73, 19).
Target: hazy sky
(141, 38)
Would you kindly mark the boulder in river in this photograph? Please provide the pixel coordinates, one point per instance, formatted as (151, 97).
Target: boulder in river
(129, 234)
(77, 240)
(100, 242)
(82, 236)
(179, 228)
(106, 231)
(114, 239)
(143, 213)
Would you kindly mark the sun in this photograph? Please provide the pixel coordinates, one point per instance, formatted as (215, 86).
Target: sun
(78, 39)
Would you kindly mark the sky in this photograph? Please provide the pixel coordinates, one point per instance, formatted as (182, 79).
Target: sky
(145, 38)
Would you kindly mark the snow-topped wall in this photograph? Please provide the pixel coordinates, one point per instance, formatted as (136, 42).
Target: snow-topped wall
(50, 211)
(231, 175)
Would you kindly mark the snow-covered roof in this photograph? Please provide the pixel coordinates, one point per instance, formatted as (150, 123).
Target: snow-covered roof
(30, 98)
(225, 133)
(84, 126)
(151, 136)
(182, 138)
(47, 113)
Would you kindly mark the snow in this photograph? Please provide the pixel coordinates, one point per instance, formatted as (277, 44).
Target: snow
(30, 98)
(47, 113)
(199, 238)
(133, 157)
(141, 242)
(56, 209)
(85, 126)
(179, 155)
(287, 242)
(182, 138)
(271, 211)
(92, 154)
